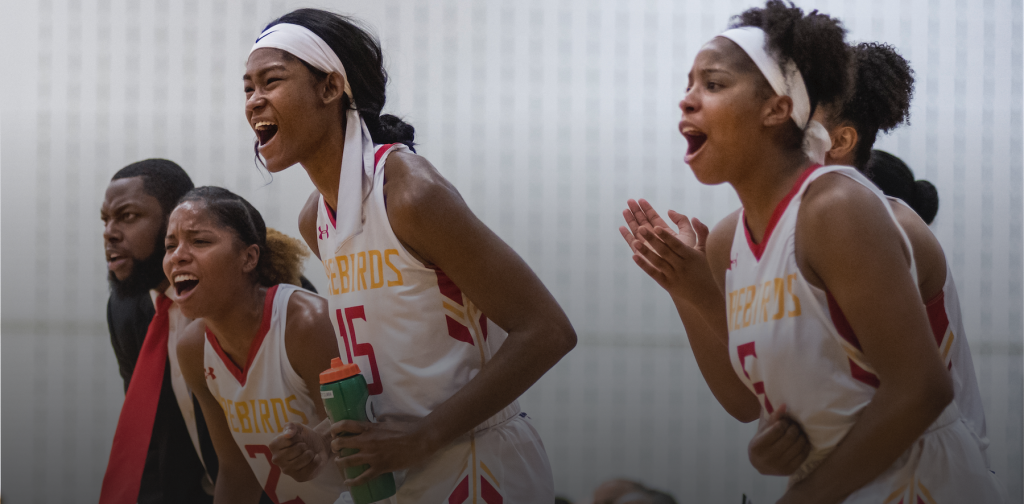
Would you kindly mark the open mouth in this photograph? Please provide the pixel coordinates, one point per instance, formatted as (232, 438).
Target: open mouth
(184, 283)
(695, 140)
(115, 260)
(265, 131)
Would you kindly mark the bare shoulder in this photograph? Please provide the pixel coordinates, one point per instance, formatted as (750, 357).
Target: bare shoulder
(841, 222)
(411, 183)
(307, 222)
(928, 254)
(306, 311)
(190, 351)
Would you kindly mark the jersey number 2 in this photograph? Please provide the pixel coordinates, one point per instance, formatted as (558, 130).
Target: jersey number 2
(747, 350)
(356, 349)
(275, 473)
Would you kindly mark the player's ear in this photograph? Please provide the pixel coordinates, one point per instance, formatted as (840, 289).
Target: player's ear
(250, 258)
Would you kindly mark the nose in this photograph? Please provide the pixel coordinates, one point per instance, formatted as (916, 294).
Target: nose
(689, 103)
(254, 101)
(111, 233)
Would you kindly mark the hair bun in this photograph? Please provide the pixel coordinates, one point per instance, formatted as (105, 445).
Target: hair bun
(394, 130)
(926, 200)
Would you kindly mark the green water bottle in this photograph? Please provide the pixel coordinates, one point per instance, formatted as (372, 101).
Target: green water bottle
(344, 393)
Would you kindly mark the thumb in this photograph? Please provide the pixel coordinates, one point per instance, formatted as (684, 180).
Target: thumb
(682, 222)
(702, 232)
(777, 415)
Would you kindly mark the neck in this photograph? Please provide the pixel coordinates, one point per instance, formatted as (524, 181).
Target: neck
(324, 164)
(236, 324)
(162, 287)
(766, 184)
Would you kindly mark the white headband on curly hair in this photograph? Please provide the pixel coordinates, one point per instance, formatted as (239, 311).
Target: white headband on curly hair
(786, 80)
(357, 158)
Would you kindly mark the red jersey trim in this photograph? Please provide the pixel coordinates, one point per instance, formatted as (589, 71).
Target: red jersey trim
(937, 317)
(330, 214)
(254, 347)
(379, 154)
(758, 248)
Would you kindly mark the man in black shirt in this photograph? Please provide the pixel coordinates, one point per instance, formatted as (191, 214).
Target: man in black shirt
(135, 209)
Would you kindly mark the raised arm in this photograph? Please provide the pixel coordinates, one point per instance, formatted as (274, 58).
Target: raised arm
(235, 480)
(434, 223)
(688, 270)
(847, 244)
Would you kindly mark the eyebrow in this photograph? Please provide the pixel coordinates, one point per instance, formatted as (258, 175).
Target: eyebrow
(275, 66)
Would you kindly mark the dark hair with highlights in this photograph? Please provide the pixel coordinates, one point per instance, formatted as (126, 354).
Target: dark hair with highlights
(895, 179)
(281, 256)
(360, 54)
(161, 179)
(880, 99)
(815, 43)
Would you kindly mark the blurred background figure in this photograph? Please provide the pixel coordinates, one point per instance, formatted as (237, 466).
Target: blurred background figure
(895, 179)
(623, 491)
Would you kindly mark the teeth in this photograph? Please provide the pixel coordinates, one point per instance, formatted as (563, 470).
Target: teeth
(690, 129)
(184, 277)
(263, 124)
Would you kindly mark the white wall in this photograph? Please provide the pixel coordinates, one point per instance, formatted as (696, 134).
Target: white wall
(546, 115)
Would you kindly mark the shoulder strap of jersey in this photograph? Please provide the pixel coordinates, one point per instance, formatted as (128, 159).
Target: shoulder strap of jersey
(864, 181)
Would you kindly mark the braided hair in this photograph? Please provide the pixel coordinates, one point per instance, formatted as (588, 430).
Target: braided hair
(281, 256)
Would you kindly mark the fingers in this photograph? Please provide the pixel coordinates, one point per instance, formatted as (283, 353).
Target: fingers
(356, 460)
(628, 236)
(656, 240)
(652, 214)
(777, 415)
(349, 427)
(282, 440)
(674, 243)
(765, 439)
(648, 268)
(654, 251)
(797, 452)
(631, 222)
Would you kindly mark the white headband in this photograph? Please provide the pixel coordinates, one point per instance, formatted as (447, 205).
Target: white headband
(357, 158)
(786, 80)
(302, 43)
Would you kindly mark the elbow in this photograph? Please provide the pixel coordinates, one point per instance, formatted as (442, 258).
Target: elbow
(566, 337)
(940, 393)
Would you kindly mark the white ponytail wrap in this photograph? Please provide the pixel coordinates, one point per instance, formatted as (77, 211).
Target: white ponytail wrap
(357, 159)
(786, 80)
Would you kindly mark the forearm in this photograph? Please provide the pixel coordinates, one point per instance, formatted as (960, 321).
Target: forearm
(711, 350)
(888, 426)
(522, 359)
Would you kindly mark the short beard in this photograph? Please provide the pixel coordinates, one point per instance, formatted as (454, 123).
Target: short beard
(145, 274)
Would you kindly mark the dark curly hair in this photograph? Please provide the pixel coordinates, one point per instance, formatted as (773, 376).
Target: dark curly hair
(360, 53)
(895, 179)
(880, 99)
(161, 179)
(815, 43)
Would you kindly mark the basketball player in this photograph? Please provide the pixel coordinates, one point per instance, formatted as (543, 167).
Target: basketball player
(134, 213)
(421, 292)
(881, 101)
(254, 355)
(821, 308)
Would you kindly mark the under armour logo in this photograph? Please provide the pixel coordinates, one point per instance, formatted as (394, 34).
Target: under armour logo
(209, 374)
(322, 232)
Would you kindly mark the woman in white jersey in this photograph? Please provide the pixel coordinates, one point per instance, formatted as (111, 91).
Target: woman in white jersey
(880, 101)
(253, 356)
(421, 293)
(821, 309)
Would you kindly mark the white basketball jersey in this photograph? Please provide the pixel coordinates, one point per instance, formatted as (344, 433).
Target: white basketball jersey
(259, 399)
(948, 329)
(788, 340)
(416, 338)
